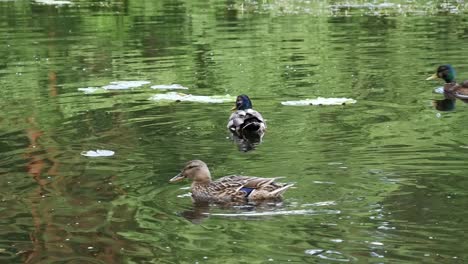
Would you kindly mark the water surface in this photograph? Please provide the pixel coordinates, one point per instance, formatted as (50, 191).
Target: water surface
(379, 181)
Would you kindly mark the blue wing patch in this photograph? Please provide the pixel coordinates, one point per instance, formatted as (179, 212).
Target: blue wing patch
(247, 190)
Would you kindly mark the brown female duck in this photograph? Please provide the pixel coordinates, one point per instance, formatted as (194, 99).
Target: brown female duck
(228, 189)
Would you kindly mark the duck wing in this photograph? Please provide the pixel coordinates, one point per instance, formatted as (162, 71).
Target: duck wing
(236, 119)
(251, 187)
(240, 118)
(250, 114)
(457, 90)
(462, 91)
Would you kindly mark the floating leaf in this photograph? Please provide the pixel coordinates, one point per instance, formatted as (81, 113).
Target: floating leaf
(169, 87)
(98, 153)
(321, 101)
(122, 85)
(53, 2)
(173, 96)
(88, 90)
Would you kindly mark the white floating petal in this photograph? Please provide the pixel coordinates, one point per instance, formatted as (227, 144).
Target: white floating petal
(122, 85)
(98, 153)
(321, 101)
(169, 87)
(173, 96)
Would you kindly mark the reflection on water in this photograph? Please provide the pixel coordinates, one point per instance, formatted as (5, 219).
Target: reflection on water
(448, 103)
(196, 214)
(444, 104)
(252, 211)
(247, 142)
(331, 255)
(381, 180)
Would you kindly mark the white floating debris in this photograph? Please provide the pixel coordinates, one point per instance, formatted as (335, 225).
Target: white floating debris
(173, 96)
(169, 87)
(53, 2)
(98, 153)
(88, 90)
(384, 227)
(364, 6)
(321, 101)
(122, 85)
(323, 182)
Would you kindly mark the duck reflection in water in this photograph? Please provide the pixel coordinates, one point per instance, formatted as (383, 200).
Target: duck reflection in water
(228, 191)
(202, 210)
(197, 213)
(446, 104)
(247, 142)
(246, 125)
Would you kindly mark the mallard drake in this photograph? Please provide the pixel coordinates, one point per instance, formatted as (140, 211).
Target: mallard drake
(452, 89)
(228, 189)
(245, 120)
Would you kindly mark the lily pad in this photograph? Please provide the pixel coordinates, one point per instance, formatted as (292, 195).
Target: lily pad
(53, 2)
(169, 87)
(117, 85)
(122, 85)
(173, 96)
(321, 101)
(98, 153)
(89, 90)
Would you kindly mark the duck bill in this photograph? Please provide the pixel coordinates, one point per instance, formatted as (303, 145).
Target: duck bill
(233, 108)
(433, 77)
(177, 178)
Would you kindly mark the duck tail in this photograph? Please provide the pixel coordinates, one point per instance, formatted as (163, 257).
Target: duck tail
(252, 125)
(281, 190)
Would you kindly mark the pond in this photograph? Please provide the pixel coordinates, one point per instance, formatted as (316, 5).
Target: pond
(87, 148)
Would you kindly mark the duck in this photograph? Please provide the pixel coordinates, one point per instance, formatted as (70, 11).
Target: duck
(452, 89)
(245, 120)
(228, 189)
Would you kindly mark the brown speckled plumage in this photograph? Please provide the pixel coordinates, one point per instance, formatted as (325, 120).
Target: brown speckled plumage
(233, 188)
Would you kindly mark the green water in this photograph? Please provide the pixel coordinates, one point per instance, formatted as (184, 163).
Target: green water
(380, 181)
